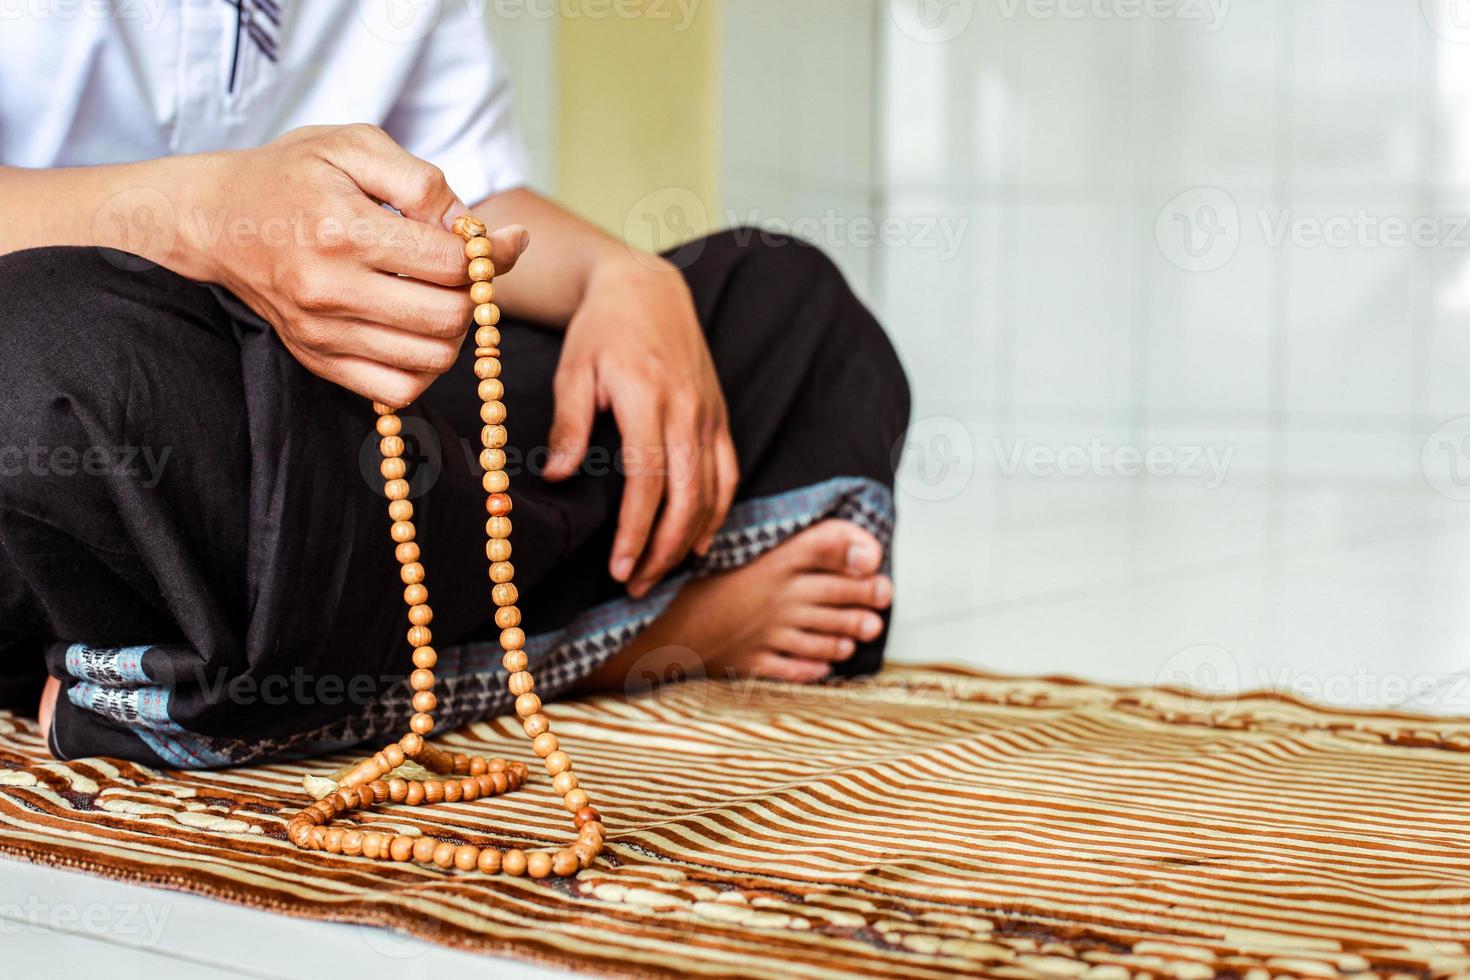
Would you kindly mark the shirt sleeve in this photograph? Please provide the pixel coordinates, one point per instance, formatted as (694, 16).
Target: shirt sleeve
(455, 108)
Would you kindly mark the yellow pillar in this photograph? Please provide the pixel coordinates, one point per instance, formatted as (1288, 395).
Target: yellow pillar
(637, 127)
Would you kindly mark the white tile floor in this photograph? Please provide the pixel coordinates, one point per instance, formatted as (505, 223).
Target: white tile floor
(1352, 594)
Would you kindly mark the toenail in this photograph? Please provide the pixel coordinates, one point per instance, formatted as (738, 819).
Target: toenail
(846, 647)
(860, 555)
(872, 626)
(882, 591)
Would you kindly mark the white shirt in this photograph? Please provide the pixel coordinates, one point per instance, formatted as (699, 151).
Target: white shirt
(117, 81)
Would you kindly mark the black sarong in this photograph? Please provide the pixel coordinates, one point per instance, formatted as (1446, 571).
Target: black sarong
(194, 541)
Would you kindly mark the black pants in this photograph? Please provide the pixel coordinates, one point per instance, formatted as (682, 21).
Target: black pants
(193, 537)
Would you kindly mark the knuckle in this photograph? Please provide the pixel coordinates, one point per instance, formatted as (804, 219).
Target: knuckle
(366, 132)
(359, 136)
(450, 325)
(567, 380)
(314, 296)
(449, 260)
(443, 359)
(308, 289)
(315, 332)
(686, 402)
(428, 183)
(333, 246)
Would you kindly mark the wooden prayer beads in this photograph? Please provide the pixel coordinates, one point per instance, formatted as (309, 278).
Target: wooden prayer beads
(464, 778)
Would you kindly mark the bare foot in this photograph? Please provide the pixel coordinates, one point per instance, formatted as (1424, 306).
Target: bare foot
(789, 615)
(48, 704)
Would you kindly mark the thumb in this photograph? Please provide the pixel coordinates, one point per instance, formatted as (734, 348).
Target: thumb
(386, 171)
(576, 407)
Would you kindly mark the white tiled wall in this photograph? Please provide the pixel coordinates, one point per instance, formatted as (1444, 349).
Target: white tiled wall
(797, 121)
(1033, 167)
(1052, 139)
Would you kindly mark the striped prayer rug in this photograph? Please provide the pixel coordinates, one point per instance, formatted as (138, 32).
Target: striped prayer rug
(926, 823)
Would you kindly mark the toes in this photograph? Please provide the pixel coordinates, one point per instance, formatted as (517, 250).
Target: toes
(875, 592)
(813, 646)
(775, 667)
(838, 546)
(864, 554)
(860, 624)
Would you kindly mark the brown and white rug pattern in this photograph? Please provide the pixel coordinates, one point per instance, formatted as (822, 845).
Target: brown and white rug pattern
(924, 824)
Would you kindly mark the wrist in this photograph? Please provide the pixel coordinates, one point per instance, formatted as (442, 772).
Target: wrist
(199, 201)
(623, 267)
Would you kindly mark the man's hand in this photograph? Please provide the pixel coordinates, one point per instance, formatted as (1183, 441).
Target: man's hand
(635, 346)
(359, 295)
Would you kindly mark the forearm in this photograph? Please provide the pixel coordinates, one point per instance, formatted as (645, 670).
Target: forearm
(566, 254)
(136, 207)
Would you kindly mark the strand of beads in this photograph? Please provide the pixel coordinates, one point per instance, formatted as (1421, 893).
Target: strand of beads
(464, 778)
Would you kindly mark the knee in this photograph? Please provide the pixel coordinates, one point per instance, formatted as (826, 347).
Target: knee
(818, 311)
(796, 259)
(61, 374)
(57, 339)
(87, 344)
(84, 330)
(849, 332)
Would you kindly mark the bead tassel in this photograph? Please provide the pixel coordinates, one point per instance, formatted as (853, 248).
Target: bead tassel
(462, 777)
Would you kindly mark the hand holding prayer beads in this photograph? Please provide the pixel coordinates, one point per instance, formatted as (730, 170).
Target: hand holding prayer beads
(465, 778)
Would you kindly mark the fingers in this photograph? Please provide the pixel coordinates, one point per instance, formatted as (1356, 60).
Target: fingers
(370, 379)
(419, 307)
(638, 422)
(386, 171)
(709, 480)
(422, 247)
(575, 391)
(402, 323)
(690, 497)
(402, 350)
(727, 481)
(507, 245)
(415, 249)
(422, 251)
